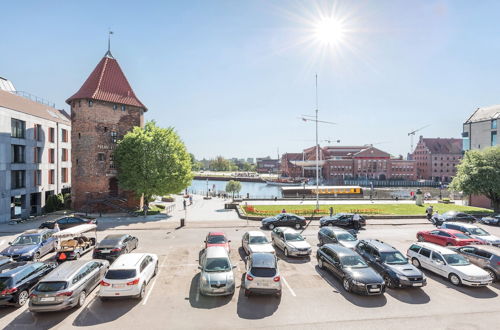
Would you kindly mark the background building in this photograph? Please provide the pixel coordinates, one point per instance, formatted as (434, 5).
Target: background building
(267, 165)
(436, 159)
(34, 153)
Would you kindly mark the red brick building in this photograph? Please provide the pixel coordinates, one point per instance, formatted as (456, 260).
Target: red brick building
(436, 159)
(103, 110)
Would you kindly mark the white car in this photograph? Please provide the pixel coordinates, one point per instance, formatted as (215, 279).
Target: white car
(262, 276)
(447, 263)
(474, 232)
(290, 242)
(129, 275)
(256, 241)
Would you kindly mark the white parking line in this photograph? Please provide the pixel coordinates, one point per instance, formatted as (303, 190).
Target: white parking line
(154, 281)
(288, 286)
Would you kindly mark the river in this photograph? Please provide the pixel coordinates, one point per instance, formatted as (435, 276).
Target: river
(253, 189)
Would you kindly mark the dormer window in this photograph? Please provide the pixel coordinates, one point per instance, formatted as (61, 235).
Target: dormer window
(91, 103)
(123, 108)
(115, 106)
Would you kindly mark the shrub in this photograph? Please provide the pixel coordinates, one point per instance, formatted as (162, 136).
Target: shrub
(54, 203)
(160, 206)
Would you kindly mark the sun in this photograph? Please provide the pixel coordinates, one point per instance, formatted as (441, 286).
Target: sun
(329, 31)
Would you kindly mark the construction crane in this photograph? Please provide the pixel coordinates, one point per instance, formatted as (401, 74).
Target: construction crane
(412, 134)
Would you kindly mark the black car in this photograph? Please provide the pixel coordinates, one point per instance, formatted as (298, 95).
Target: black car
(68, 222)
(113, 246)
(452, 216)
(336, 235)
(492, 220)
(284, 219)
(17, 282)
(391, 264)
(341, 220)
(351, 269)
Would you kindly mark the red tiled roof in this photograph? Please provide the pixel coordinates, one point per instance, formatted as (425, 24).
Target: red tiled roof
(108, 83)
(443, 146)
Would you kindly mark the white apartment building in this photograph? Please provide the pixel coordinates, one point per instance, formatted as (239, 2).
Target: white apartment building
(35, 154)
(481, 129)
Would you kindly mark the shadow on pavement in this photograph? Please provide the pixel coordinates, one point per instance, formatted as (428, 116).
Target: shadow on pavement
(414, 296)
(99, 312)
(224, 210)
(358, 300)
(256, 306)
(196, 300)
(291, 260)
(28, 320)
(483, 292)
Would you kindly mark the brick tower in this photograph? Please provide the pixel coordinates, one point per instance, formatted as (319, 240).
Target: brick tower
(103, 110)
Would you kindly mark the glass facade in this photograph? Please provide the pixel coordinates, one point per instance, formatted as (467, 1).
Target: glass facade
(493, 138)
(465, 144)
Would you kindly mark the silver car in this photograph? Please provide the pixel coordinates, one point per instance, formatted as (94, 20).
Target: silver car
(262, 275)
(68, 285)
(290, 242)
(256, 241)
(216, 277)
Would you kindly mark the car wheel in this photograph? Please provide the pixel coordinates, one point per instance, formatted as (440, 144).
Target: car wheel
(415, 262)
(271, 226)
(136, 245)
(454, 279)
(81, 299)
(286, 252)
(247, 293)
(278, 295)
(36, 256)
(330, 224)
(420, 238)
(449, 244)
(388, 282)
(142, 293)
(493, 275)
(320, 263)
(297, 226)
(321, 242)
(126, 250)
(346, 285)
(22, 298)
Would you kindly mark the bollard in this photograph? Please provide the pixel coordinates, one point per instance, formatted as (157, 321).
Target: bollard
(182, 222)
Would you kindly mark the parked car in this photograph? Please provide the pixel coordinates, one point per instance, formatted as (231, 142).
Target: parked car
(447, 263)
(129, 275)
(452, 216)
(113, 246)
(217, 276)
(262, 274)
(18, 280)
(486, 257)
(7, 260)
(256, 241)
(217, 239)
(446, 237)
(351, 269)
(284, 219)
(492, 220)
(336, 235)
(391, 264)
(290, 242)
(474, 232)
(341, 220)
(31, 245)
(68, 222)
(68, 285)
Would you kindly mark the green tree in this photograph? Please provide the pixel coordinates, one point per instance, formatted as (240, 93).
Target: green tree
(479, 174)
(221, 164)
(153, 161)
(233, 187)
(195, 165)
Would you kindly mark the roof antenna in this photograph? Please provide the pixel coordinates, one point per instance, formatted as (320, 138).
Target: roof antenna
(108, 53)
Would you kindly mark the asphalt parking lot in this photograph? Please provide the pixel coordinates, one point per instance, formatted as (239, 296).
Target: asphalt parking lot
(311, 298)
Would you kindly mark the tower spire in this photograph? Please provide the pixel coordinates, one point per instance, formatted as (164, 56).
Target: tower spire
(108, 53)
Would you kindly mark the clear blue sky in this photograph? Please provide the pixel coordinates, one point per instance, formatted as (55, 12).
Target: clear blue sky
(233, 76)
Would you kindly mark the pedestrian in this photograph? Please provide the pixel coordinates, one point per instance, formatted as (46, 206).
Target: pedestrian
(429, 212)
(435, 218)
(57, 229)
(355, 221)
(145, 208)
(331, 211)
(283, 211)
(184, 203)
(190, 199)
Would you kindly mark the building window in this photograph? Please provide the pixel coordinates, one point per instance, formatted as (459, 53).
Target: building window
(105, 128)
(494, 124)
(101, 157)
(123, 107)
(17, 179)
(64, 174)
(37, 155)
(18, 128)
(494, 138)
(17, 153)
(37, 177)
(115, 106)
(80, 103)
(51, 176)
(64, 134)
(51, 134)
(51, 156)
(465, 144)
(37, 132)
(79, 135)
(91, 103)
(64, 155)
(114, 137)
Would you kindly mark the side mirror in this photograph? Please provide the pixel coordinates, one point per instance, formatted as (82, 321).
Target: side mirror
(199, 267)
(467, 233)
(234, 267)
(229, 241)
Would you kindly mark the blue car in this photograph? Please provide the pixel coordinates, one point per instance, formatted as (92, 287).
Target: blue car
(31, 245)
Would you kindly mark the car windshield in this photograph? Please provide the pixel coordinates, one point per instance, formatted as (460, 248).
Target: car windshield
(345, 237)
(478, 231)
(258, 240)
(393, 258)
(120, 274)
(353, 261)
(293, 237)
(455, 260)
(460, 235)
(50, 286)
(27, 240)
(216, 239)
(217, 265)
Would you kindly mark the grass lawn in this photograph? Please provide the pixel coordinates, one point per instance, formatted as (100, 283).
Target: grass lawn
(384, 209)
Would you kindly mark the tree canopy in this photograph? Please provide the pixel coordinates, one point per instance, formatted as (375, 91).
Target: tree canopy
(153, 161)
(233, 187)
(479, 174)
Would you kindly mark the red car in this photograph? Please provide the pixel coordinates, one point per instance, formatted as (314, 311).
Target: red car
(446, 237)
(215, 238)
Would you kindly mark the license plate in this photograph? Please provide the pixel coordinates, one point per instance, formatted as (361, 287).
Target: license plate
(119, 286)
(417, 284)
(105, 251)
(263, 284)
(48, 299)
(374, 290)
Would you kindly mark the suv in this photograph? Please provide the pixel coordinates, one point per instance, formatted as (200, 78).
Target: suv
(337, 235)
(447, 263)
(284, 219)
(486, 257)
(17, 283)
(290, 242)
(391, 264)
(217, 276)
(473, 231)
(262, 274)
(31, 245)
(129, 275)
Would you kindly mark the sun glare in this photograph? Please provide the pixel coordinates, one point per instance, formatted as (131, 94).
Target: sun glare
(329, 31)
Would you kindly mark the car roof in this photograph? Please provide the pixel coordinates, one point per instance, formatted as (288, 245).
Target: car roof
(255, 233)
(435, 247)
(265, 260)
(13, 268)
(216, 233)
(114, 236)
(489, 248)
(340, 250)
(380, 245)
(216, 252)
(461, 224)
(286, 230)
(65, 271)
(127, 260)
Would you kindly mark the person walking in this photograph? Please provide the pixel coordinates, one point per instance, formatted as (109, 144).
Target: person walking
(283, 211)
(435, 218)
(355, 221)
(429, 212)
(190, 199)
(56, 230)
(331, 210)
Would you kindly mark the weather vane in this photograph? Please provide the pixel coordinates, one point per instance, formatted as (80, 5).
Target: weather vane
(109, 43)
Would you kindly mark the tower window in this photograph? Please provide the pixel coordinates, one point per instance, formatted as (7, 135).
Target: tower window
(79, 135)
(80, 103)
(115, 106)
(114, 137)
(101, 157)
(105, 129)
(91, 103)
(123, 108)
